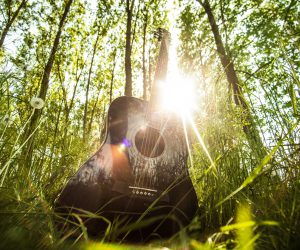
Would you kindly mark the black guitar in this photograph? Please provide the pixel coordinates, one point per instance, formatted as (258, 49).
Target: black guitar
(138, 180)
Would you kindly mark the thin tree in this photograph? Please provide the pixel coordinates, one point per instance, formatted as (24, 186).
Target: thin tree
(89, 83)
(144, 54)
(45, 84)
(11, 18)
(249, 128)
(112, 76)
(128, 68)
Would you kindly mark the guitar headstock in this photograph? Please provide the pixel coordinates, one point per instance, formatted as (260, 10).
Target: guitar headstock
(162, 33)
(164, 37)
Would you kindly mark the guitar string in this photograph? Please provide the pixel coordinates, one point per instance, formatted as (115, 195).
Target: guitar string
(153, 150)
(152, 141)
(145, 142)
(143, 146)
(162, 127)
(143, 151)
(149, 138)
(146, 177)
(140, 159)
(141, 169)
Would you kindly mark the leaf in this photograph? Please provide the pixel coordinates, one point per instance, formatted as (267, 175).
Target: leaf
(259, 168)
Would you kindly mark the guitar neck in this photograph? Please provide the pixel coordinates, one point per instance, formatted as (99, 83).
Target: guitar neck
(161, 69)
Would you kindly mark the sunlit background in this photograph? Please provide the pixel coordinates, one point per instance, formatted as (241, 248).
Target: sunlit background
(180, 93)
(261, 38)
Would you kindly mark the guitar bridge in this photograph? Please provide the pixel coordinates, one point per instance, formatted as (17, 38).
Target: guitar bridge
(146, 192)
(139, 192)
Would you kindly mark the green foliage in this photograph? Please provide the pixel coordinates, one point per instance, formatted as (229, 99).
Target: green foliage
(244, 202)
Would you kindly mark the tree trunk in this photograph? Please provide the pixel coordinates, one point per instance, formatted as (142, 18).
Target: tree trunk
(144, 56)
(149, 72)
(128, 70)
(93, 113)
(88, 86)
(44, 85)
(55, 134)
(68, 107)
(112, 77)
(133, 33)
(10, 22)
(249, 129)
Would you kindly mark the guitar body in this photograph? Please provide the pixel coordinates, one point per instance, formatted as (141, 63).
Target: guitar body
(139, 174)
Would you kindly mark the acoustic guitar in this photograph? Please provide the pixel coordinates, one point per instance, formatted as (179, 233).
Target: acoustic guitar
(138, 181)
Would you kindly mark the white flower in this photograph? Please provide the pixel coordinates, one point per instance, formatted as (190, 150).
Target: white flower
(37, 103)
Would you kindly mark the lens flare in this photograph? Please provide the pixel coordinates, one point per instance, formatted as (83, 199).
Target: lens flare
(178, 95)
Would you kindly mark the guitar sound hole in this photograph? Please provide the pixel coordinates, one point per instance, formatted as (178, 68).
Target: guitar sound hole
(149, 142)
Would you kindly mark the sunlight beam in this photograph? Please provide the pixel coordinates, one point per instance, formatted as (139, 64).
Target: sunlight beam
(188, 144)
(201, 141)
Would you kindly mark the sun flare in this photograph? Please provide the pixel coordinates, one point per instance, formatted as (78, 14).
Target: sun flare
(178, 94)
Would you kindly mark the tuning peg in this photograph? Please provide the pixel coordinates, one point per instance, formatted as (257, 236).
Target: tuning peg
(161, 32)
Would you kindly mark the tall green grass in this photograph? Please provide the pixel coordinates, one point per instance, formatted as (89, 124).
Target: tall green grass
(244, 202)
